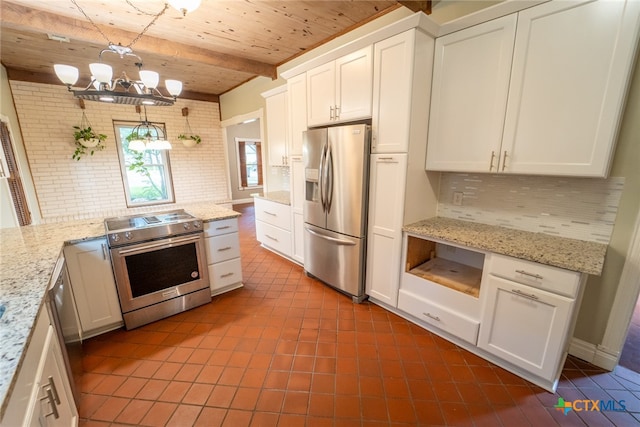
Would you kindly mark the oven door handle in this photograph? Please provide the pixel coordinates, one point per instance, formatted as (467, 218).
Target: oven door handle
(164, 243)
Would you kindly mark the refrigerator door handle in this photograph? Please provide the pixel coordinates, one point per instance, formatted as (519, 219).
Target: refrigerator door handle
(343, 242)
(322, 178)
(329, 167)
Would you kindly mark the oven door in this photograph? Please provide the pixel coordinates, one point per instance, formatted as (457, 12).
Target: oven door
(156, 271)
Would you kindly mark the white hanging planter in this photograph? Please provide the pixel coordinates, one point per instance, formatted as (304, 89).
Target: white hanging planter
(89, 143)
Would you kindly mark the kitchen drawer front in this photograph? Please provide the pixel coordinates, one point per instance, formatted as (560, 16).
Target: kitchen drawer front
(441, 295)
(223, 274)
(224, 226)
(222, 248)
(274, 237)
(273, 213)
(546, 277)
(438, 316)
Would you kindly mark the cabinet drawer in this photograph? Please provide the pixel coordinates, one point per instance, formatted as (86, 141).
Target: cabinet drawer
(224, 226)
(274, 237)
(273, 213)
(223, 274)
(222, 248)
(552, 279)
(436, 315)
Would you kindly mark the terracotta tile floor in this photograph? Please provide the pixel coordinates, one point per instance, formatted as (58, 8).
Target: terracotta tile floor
(286, 350)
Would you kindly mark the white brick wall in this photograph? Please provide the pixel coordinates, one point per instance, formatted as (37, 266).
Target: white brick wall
(93, 187)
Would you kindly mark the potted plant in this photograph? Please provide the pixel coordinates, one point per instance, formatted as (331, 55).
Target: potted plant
(87, 138)
(189, 140)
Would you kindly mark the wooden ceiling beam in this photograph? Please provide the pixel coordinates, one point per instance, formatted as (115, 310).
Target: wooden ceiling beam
(26, 18)
(418, 6)
(47, 78)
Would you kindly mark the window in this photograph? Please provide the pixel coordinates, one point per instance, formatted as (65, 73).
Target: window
(249, 155)
(146, 174)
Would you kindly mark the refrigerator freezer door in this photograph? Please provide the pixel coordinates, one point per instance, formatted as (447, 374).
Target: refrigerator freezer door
(347, 172)
(313, 151)
(336, 259)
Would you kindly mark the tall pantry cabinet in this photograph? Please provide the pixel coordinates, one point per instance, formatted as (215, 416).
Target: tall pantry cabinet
(399, 191)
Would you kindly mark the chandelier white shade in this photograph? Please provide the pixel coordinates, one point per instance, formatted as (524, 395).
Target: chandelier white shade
(67, 74)
(185, 6)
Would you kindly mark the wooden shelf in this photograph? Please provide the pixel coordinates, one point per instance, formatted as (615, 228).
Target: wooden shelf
(451, 274)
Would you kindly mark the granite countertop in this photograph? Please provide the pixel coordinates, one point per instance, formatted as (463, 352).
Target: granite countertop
(283, 197)
(27, 258)
(571, 254)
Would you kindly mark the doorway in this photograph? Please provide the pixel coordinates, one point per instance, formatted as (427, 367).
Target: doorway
(630, 355)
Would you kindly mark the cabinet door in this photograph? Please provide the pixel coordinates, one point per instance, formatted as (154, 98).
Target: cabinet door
(297, 203)
(321, 94)
(386, 205)
(354, 76)
(525, 326)
(469, 97)
(392, 86)
(570, 75)
(297, 93)
(277, 128)
(54, 404)
(94, 287)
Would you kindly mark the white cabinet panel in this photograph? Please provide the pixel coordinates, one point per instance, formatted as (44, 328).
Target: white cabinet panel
(568, 83)
(297, 93)
(224, 275)
(525, 326)
(274, 237)
(222, 245)
(273, 213)
(224, 226)
(469, 96)
(94, 286)
(321, 94)
(297, 204)
(277, 131)
(222, 248)
(384, 246)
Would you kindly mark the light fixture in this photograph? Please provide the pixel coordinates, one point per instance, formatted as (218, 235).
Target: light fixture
(147, 136)
(123, 90)
(185, 6)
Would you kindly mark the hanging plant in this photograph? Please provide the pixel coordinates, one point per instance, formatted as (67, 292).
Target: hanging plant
(188, 138)
(87, 139)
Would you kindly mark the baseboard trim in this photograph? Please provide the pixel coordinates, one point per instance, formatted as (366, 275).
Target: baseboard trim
(593, 354)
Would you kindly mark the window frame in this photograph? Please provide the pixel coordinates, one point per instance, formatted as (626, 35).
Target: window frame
(258, 164)
(124, 168)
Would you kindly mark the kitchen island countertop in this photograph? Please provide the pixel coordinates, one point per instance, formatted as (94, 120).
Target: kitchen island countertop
(571, 254)
(27, 258)
(282, 197)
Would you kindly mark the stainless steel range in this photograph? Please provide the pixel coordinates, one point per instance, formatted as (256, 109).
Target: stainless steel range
(159, 264)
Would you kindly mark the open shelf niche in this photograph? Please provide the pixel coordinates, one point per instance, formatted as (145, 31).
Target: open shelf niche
(456, 268)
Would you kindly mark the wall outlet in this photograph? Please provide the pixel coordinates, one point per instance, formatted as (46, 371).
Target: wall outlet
(457, 198)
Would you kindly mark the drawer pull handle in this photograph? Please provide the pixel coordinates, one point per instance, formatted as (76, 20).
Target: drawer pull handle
(493, 156)
(224, 249)
(223, 227)
(226, 275)
(431, 316)
(526, 273)
(270, 213)
(523, 294)
(52, 403)
(269, 237)
(385, 158)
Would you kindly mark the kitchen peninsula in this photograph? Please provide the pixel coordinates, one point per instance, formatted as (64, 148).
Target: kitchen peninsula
(27, 258)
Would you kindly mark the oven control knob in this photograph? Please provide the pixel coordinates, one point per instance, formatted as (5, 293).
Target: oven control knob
(197, 224)
(128, 235)
(186, 225)
(115, 237)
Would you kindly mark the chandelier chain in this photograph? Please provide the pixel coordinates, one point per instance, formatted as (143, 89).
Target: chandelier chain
(144, 30)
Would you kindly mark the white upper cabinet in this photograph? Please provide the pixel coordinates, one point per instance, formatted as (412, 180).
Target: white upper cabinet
(297, 93)
(340, 91)
(400, 87)
(277, 132)
(469, 96)
(567, 82)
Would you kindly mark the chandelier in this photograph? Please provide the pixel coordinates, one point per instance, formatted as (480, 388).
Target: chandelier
(147, 136)
(123, 89)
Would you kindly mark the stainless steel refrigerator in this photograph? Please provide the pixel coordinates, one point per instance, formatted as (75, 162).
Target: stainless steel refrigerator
(335, 207)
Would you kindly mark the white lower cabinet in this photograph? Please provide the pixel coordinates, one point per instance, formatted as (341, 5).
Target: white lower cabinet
(517, 314)
(222, 245)
(94, 287)
(273, 225)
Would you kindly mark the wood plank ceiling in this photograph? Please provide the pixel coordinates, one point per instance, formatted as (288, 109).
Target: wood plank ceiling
(212, 49)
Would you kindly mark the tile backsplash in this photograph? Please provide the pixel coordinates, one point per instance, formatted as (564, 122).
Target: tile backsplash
(577, 208)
